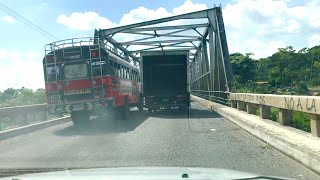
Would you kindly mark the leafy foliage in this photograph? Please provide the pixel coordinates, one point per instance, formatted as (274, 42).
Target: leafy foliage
(288, 71)
(23, 96)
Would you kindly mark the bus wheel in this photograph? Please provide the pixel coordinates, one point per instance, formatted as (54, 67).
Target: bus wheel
(140, 107)
(80, 118)
(126, 109)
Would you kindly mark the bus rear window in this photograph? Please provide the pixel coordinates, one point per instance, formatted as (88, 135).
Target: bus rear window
(72, 71)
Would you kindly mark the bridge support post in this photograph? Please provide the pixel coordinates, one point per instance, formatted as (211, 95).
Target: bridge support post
(251, 108)
(315, 125)
(285, 117)
(241, 106)
(265, 112)
(234, 104)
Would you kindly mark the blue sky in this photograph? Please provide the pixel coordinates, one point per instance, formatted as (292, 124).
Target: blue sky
(259, 27)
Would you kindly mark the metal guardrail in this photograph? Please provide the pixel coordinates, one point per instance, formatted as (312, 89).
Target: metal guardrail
(285, 103)
(220, 97)
(12, 117)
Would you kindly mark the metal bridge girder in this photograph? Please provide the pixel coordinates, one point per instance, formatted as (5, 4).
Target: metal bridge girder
(210, 67)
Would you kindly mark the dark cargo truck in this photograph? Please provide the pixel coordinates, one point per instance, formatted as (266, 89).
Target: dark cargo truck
(165, 79)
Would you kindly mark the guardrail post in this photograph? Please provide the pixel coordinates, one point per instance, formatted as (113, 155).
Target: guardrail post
(315, 125)
(251, 108)
(234, 104)
(241, 106)
(265, 112)
(285, 117)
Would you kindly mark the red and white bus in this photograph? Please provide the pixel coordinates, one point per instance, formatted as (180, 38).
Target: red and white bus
(83, 79)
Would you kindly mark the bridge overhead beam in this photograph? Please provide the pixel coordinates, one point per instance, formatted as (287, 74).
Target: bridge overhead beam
(210, 69)
(157, 42)
(186, 27)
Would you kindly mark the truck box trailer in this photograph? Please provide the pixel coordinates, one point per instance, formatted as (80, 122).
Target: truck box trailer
(165, 79)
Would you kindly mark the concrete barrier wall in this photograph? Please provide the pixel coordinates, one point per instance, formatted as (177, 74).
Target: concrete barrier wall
(296, 144)
(11, 117)
(10, 133)
(286, 103)
(308, 104)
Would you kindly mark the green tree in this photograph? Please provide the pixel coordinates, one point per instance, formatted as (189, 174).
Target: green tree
(23, 96)
(243, 67)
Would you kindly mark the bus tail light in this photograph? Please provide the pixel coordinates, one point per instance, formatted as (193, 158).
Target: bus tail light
(94, 53)
(59, 86)
(99, 92)
(54, 97)
(50, 59)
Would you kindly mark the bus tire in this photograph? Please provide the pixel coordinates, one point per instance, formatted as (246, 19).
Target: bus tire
(80, 118)
(140, 107)
(126, 109)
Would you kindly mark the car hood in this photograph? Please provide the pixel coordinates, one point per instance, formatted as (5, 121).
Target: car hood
(141, 173)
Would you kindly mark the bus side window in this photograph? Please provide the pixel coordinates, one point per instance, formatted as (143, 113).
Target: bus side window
(128, 73)
(136, 76)
(117, 69)
(111, 67)
(133, 75)
(125, 72)
(121, 71)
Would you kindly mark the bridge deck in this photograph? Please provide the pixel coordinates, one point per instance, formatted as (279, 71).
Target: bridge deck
(166, 139)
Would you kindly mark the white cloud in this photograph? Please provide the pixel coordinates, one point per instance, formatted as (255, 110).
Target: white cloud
(188, 6)
(314, 40)
(84, 21)
(143, 14)
(314, 21)
(3, 53)
(293, 26)
(266, 25)
(8, 19)
(90, 20)
(263, 49)
(26, 68)
(257, 26)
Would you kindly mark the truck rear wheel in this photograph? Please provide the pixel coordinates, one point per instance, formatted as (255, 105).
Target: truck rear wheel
(140, 107)
(80, 118)
(125, 110)
(183, 109)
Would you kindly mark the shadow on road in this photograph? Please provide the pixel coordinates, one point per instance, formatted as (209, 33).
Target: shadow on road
(191, 113)
(105, 125)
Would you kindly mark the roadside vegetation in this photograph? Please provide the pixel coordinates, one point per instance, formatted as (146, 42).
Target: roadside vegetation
(23, 96)
(288, 71)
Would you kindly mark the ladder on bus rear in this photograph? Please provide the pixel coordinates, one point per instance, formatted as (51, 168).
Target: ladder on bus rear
(51, 48)
(97, 48)
(72, 44)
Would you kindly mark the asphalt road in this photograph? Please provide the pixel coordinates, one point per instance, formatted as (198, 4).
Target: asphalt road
(196, 139)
